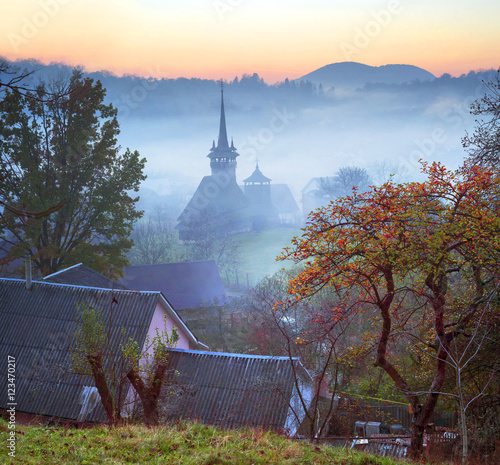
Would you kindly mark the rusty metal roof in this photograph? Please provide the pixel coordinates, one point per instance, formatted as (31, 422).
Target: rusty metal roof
(233, 390)
(37, 328)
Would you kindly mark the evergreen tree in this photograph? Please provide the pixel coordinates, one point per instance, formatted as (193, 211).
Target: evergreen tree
(64, 151)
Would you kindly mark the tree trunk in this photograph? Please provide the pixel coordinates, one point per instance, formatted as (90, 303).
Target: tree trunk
(149, 395)
(417, 440)
(101, 384)
(463, 419)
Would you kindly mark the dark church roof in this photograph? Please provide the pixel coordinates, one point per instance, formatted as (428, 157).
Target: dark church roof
(81, 275)
(257, 176)
(215, 197)
(234, 390)
(185, 285)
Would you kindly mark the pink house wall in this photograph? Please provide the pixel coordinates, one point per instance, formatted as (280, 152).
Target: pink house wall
(158, 322)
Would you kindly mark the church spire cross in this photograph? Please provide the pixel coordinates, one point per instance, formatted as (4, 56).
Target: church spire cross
(222, 142)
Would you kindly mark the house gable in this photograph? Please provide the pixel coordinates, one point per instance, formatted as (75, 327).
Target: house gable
(37, 331)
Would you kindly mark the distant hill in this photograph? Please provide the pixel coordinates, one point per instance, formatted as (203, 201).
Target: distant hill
(350, 75)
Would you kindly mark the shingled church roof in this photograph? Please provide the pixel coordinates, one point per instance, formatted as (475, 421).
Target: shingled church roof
(257, 177)
(216, 200)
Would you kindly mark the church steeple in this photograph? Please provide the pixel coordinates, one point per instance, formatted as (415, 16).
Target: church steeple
(222, 141)
(223, 157)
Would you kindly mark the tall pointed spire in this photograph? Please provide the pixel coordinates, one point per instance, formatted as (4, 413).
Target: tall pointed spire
(222, 142)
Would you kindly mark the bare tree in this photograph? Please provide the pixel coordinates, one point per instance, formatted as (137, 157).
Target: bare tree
(104, 352)
(13, 79)
(311, 331)
(211, 241)
(386, 170)
(484, 144)
(459, 357)
(154, 243)
(343, 181)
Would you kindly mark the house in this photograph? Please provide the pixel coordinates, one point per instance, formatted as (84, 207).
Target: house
(195, 290)
(37, 330)
(187, 285)
(283, 200)
(311, 197)
(234, 390)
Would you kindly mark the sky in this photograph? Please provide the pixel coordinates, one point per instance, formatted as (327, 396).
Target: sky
(228, 38)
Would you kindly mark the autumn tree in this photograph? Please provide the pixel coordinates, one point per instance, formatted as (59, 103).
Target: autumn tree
(403, 250)
(63, 152)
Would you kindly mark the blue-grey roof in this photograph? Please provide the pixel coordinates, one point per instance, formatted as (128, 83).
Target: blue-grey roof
(233, 390)
(37, 328)
(81, 275)
(282, 198)
(185, 285)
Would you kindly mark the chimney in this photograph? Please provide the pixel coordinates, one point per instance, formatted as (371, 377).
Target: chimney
(27, 265)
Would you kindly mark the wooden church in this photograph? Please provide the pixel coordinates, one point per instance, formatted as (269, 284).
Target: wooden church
(219, 204)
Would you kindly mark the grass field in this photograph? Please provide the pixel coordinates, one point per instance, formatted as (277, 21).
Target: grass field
(259, 250)
(185, 443)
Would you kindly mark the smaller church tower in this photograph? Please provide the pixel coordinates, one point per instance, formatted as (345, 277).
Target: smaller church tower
(258, 193)
(258, 187)
(223, 156)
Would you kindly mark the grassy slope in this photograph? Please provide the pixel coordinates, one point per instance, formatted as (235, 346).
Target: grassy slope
(181, 444)
(260, 249)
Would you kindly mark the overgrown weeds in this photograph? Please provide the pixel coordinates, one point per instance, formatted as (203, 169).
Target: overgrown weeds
(184, 443)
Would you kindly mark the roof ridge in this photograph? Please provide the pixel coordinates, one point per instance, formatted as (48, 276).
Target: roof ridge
(64, 270)
(48, 283)
(229, 354)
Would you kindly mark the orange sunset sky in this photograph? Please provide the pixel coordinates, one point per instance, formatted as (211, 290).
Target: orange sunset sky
(227, 38)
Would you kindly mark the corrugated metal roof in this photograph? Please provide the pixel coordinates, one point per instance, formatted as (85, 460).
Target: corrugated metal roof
(233, 390)
(37, 328)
